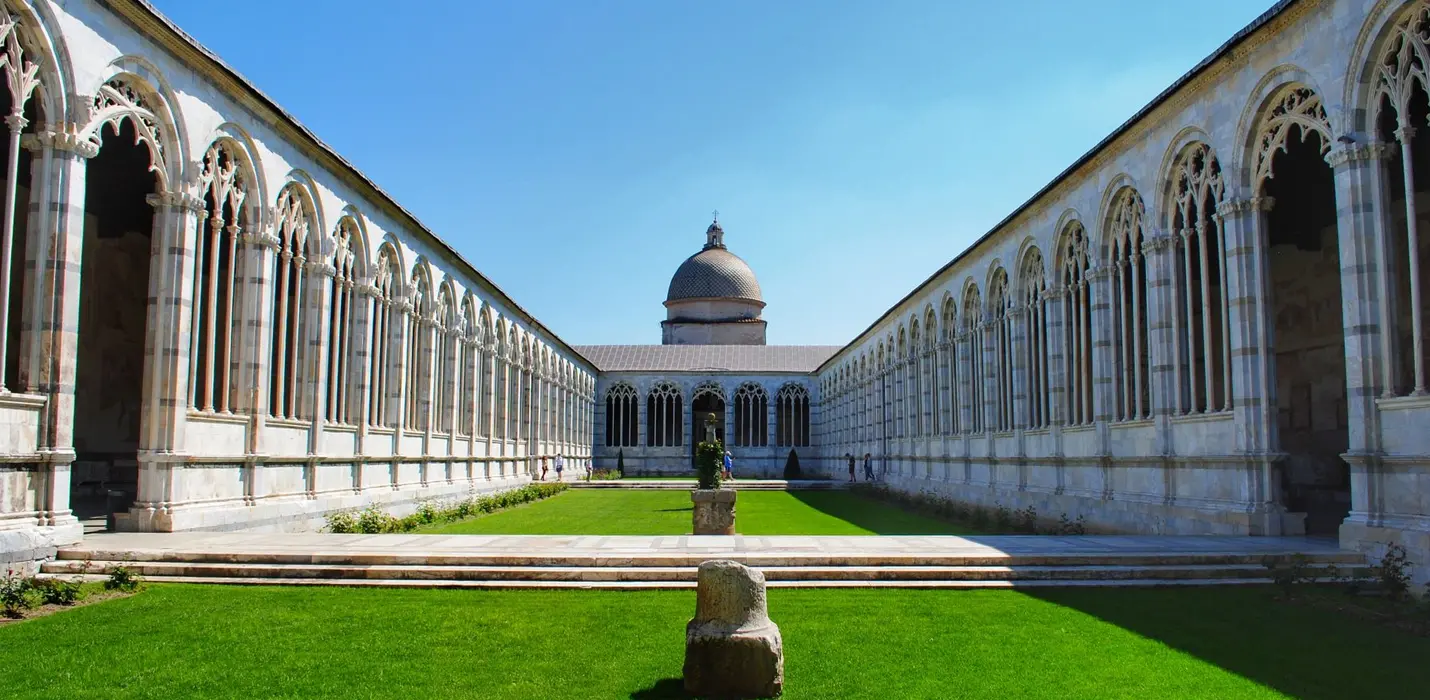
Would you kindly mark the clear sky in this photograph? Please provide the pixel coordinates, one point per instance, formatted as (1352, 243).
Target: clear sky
(573, 150)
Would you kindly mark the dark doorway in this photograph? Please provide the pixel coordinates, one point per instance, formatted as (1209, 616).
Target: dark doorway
(1309, 345)
(706, 406)
(114, 290)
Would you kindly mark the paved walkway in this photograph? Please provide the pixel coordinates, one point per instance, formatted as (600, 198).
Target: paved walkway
(614, 548)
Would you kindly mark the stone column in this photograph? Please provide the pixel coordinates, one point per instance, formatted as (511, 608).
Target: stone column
(1161, 335)
(320, 297)
(1362, 211)
(1253, 364)
(63, 163)
(168, 351)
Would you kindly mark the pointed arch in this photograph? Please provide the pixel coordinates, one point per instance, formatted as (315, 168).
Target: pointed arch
(1037, 326)
(293, 326)
(622, 415)
(949, 363)
(347, 265)
(1125, 234)
(1074, 261)
(751, 416)
(1196, 188)
(973, 348)
(792, 416)
(998, 324)
(665, 415)
(386, 332)
(228, 187)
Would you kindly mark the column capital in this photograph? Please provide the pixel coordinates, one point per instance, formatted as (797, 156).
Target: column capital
(255, 236)
(321, 267)
(1347, 153)
(176, 200)
(66, 139)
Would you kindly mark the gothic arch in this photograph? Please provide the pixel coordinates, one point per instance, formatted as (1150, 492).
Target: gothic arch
(1361, 96)
(359, 245)
(1289, 110)
(239, 146)
(41, 35)
(1188, 141)
(133, 96)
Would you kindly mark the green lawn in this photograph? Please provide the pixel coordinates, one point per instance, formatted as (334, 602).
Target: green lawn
(261, 642)
(631, 512)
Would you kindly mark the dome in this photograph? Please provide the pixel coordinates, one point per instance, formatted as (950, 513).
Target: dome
(714, 273)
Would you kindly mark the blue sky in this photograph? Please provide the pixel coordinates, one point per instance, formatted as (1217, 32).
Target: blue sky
(573, 150)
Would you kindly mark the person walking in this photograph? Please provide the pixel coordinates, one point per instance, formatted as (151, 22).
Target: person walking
(729, 465)
(868, 467)
(850, 457)
(543, 467)
(560, 464)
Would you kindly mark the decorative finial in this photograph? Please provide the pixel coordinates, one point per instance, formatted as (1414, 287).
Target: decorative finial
(715, 215)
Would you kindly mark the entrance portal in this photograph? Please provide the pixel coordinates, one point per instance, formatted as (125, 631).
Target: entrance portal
(114, 289)
(1309, 345)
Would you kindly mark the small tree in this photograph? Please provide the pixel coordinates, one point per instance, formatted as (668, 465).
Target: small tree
(621, 463)
(709, 458)
(792, 466)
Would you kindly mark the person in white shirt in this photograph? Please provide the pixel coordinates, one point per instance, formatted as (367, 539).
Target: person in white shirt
(559, 466)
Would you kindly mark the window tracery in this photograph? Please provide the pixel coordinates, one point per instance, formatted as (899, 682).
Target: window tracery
(751, 416)
(665, 416)
(1130, 310)
(1203, 340)
(1077, 325)
(792, 416)
(622, 416)
(217, 309)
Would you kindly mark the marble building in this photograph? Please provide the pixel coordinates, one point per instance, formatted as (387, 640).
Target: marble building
(713, 377)
(1213, 322)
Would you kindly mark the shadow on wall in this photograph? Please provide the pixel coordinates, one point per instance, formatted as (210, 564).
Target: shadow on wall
(1324, 654)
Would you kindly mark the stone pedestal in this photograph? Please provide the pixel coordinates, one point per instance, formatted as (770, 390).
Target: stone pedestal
(732, 649)
(714, 511)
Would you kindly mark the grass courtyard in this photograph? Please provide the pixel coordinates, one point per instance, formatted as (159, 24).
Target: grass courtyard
(635, 512)
(176, 641)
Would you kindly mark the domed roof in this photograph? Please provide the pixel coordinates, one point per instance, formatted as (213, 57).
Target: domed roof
(714, 273)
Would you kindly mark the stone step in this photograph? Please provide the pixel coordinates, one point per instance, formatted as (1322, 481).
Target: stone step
(687, 585)
(174, 570)
(616, 558)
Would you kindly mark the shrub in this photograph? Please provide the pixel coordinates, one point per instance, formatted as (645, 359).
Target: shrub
(1071, 527)
(1392, 572)
(122, 578)
(1002, 517)
(606, 474)
(14, 595)
(372, 521)
(1028, 520)
(709, 458)
(792, 465)
(1287, 572)
(55, 591)
(621, 462)
(343, 521)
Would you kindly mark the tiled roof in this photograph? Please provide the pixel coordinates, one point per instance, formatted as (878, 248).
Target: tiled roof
(714, 273)
(707, 358)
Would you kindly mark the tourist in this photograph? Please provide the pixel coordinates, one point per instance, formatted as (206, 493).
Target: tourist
(543, 468)
(559, 466)
(850, 457)
(868, 467)
(728, 469)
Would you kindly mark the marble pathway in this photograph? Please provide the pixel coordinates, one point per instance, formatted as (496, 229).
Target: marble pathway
(615, 548)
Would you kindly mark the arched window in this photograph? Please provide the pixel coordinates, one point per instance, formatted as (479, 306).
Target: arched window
(949, 390)
(974, 348)
(291, 316)
(1077, 325)
(501, 386)
(899, 363)
(447, 334)
(1130, 317)
(999, 324)
(1202, 345)
(792, 416)
(421, 323)
(1400, 119)
(929, 383)
(622, 417)
(664, 416)
(346, 254)
(218, 308)
(751, 416)
(385, 331)
(467, 369)
(1035, 343)
(914, 380)
(22, 79)
(486, 369)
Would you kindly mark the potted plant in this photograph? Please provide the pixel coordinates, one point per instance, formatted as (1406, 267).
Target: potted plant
(714, 512)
